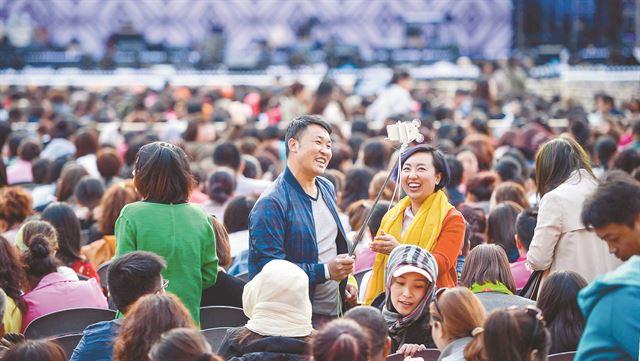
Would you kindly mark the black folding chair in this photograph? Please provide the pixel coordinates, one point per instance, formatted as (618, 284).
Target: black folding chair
(430, 354)
(221, 316)
(244, 276)
(102, 272)
(564, 356)
(73, 320)
(215, 337)
(68, 342)
(359, 275)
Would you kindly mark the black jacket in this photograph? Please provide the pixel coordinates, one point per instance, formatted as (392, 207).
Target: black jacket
(227, 291)
(267, 348)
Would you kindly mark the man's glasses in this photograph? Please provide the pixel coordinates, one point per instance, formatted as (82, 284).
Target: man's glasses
(163, 286)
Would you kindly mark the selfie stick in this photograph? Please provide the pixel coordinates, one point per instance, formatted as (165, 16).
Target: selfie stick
(404, 132)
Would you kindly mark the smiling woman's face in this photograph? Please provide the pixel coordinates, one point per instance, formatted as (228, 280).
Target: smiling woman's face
(419, 177)
(407, 291)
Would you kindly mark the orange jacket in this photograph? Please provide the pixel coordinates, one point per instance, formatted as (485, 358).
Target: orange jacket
(448, 248)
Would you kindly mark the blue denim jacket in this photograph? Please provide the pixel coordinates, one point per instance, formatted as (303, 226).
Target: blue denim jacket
(281, 226)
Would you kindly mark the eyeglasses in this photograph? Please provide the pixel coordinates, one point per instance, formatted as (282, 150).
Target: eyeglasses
(163, 286)
(439, 293)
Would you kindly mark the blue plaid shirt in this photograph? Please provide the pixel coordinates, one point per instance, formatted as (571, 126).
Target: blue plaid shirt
(281, 226)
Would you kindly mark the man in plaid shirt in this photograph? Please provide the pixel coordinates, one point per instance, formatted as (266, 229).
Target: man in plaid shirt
(296, 219)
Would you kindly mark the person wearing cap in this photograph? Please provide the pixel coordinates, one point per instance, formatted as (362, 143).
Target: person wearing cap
(410, 278)
(424, 218)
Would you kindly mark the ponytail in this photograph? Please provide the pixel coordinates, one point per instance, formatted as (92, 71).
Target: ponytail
(474, 351)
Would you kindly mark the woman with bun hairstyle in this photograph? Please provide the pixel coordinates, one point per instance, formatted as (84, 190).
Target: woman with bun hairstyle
(457, 317)
(49, 290)
(184, 344)
(221, 187)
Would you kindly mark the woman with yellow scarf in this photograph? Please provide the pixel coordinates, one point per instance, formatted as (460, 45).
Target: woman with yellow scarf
(424, 218)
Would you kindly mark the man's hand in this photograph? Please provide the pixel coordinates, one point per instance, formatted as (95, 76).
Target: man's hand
(384, 243)
(408, 350)
(340, 267)
(351, 295)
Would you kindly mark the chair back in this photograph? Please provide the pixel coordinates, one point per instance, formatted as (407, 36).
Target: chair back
(243, 276)
(68, 343)
(430, 354)
(215, 337)
(73, 320)
(222, 316)
(102, 272)
(564, 356)
(359, 275)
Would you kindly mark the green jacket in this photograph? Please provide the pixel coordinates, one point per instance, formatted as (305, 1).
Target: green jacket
(183, 235)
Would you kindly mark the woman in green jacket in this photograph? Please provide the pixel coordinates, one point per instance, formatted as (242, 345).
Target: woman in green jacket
(164, 223)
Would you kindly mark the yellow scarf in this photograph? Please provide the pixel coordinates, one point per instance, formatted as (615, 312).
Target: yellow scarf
(423, 231)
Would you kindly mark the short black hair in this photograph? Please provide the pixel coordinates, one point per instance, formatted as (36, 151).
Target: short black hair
(605, 148)
(439, 162)
(132, 276)
(526, 225)
(89, 191)
(379, 210)
(616, 200)
(236, 215)
(162, 173)
(300, 124)
(627, 160)
(227, 154)
(373, 325)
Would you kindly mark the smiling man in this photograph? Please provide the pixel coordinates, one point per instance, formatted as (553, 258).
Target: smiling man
(610, 302)
(297, 219)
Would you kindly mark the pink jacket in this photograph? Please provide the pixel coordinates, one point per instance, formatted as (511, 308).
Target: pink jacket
(56, 293)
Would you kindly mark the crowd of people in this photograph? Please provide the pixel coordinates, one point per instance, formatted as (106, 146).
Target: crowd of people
(500, 237)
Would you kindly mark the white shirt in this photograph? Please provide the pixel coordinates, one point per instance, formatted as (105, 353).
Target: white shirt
(326, 294)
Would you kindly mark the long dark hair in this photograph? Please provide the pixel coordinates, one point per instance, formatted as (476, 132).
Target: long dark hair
(356, 186)
(558, 302)
(555, 162)
(12, 277)
(67, 225)
(502, 228)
